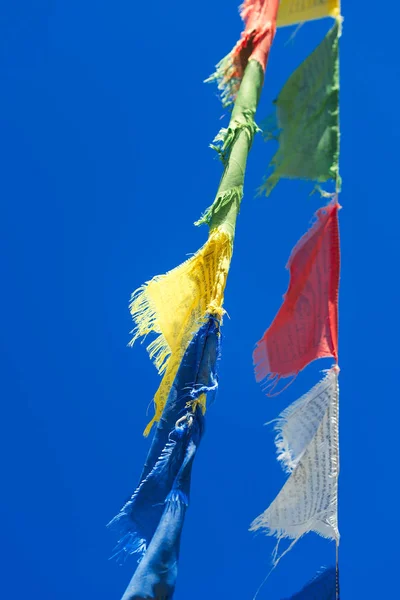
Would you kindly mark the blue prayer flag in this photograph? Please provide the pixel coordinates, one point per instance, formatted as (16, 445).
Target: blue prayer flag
(153, 517)
(322, 587)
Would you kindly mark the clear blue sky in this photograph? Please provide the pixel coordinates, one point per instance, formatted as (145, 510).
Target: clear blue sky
(105, 126)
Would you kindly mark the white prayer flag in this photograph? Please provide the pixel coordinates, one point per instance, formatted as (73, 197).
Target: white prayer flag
(308, 446)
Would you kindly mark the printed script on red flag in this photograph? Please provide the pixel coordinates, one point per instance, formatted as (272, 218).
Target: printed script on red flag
(306, 325)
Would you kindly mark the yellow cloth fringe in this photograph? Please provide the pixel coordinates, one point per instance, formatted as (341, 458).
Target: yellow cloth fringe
(298, 11)
(174, 306)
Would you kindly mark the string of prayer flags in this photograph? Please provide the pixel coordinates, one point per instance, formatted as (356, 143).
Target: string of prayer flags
(307, 114)
(306, 325)
(184, 307)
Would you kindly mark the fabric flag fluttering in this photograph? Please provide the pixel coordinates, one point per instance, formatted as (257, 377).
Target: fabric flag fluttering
(175, 304)
(308, 446)
(293, 11)
(322, 587)
(307, 111)
(172, 305)
(255, 43)
(151, 521)
(306, 325)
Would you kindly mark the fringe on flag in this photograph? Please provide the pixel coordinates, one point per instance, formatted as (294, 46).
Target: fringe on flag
(308, 500)
(297, 425)
(156, 574)
(255, 42)
(140, 516)
(233, 195)
(175, 440)
(174, 305)
(226, 137)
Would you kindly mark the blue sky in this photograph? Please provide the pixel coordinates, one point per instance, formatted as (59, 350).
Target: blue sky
(105, 126)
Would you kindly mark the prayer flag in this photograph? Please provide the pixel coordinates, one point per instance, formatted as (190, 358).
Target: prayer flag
(306, 325)
(255, 42)
(151, 521)
(308, 443)
(307, 111)
(173, 305)
(299, 11)
(322, 587)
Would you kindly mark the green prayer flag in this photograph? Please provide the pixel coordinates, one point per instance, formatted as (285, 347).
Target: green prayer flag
(307, 112)
(233, 145)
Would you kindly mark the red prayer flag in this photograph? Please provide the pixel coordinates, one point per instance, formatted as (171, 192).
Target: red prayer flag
(260, 25)
(255, 42)
(306, 325)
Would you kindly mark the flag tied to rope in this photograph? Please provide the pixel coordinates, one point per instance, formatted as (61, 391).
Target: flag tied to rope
(306, 325)
(151, 521)
(307, 114)
(308, 447)
(173, 305)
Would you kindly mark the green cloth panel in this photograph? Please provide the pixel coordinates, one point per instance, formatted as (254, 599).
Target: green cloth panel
(307, 112)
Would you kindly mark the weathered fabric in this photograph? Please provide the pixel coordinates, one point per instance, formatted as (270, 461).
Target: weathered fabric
(306, 325)
(298, 11)
(308, 500)
(307, 111)
(322, 587)
(151, 521)
(173, 439)
(255, 43)
(173, 306)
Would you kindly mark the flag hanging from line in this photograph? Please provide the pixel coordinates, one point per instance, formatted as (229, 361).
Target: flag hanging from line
(307, 112)
(173, 305)
(322, 587)
(308, 443)
(306, 325)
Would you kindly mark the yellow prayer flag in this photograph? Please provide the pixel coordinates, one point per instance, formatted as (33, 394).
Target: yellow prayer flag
(175, 304)
(298, 11)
